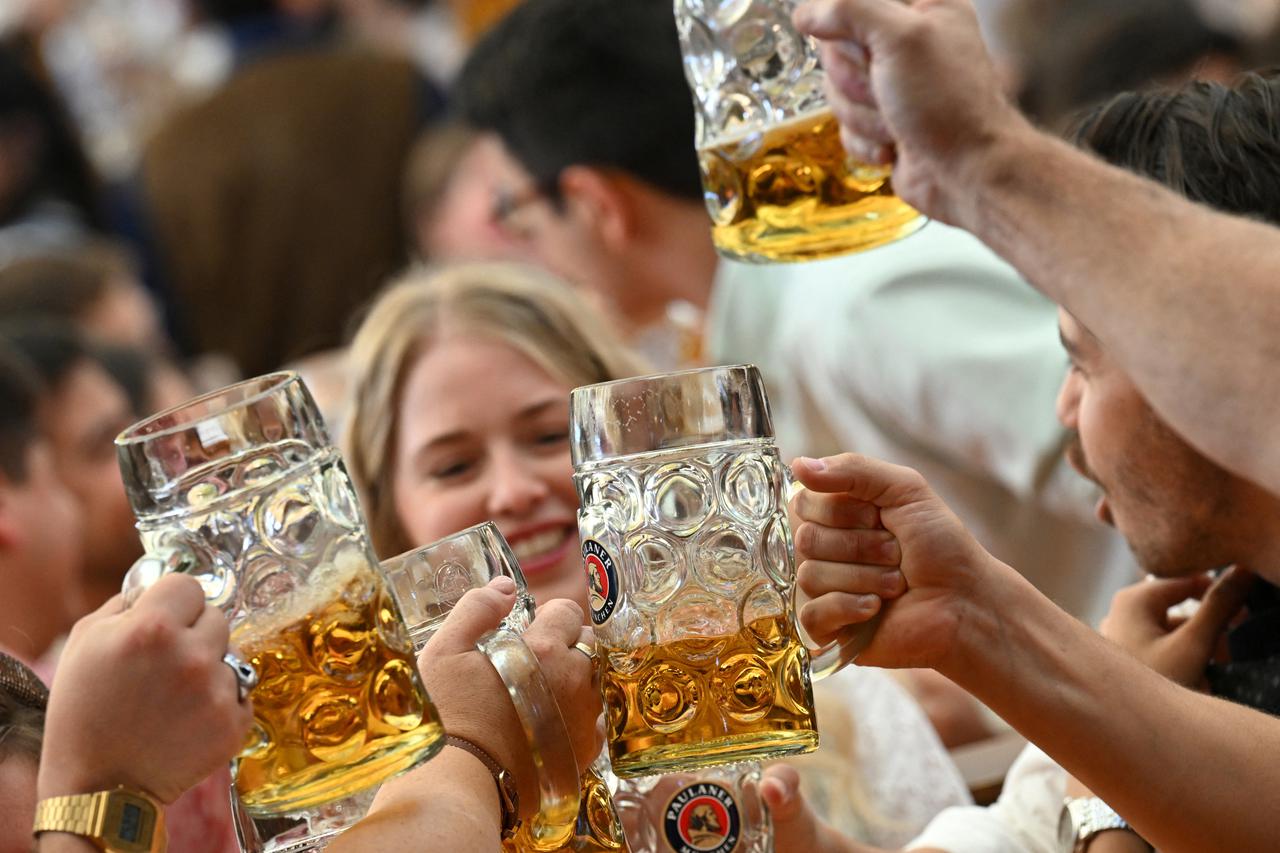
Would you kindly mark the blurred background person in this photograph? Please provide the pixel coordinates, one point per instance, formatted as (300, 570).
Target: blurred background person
(274, 201)
(80, 413)
(41, 547)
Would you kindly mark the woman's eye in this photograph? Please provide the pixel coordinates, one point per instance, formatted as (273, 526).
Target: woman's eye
(449, 471)
(558, 437)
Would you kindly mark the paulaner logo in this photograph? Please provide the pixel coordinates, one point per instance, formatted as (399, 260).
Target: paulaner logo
(602, 581)
(702, 818)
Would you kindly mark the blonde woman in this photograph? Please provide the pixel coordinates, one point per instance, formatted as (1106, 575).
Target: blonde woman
(460, 414)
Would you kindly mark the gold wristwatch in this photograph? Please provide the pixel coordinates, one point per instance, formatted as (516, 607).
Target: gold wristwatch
(119, 821)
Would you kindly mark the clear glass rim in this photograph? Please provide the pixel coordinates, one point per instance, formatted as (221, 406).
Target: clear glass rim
(663, 376)
(481, 530)
(270, 383)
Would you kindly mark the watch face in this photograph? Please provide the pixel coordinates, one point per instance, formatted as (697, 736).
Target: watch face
(130, 824)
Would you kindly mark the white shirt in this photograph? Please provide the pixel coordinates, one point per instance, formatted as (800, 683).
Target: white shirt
(931, 352)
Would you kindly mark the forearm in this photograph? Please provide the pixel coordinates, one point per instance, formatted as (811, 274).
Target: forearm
(1185, 298)
(62, 842)
(451, 800)
(1171, 761)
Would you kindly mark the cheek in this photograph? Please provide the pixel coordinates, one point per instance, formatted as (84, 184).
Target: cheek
(428, 512)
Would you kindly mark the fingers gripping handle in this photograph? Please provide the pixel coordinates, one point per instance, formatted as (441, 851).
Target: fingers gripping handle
(545, 731)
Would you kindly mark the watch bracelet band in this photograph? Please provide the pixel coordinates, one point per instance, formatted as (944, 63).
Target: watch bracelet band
(78, 814)
(508, 794)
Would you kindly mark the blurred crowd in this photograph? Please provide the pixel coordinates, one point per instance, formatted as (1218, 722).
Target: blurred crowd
(446, 214)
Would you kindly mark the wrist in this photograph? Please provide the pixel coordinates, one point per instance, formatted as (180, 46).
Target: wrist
(983, 632)
(999, 159)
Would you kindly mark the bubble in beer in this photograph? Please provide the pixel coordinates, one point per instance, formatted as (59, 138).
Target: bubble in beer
(698, 624)
(332, 728)
(764, 615)
(744, 687)
(395, 699)
(669, 698)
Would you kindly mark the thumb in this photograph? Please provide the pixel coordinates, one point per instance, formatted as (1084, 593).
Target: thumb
(1155, 597)
(795, 827)
(862, 477)
(1220, 605)
(477, 613)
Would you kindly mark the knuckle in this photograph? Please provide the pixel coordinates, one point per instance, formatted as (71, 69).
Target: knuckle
(149, 632)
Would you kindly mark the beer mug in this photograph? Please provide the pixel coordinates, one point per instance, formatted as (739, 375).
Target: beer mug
(576, 812)
(716, 810)
(241, 489)
(776, 180)
(689, 561)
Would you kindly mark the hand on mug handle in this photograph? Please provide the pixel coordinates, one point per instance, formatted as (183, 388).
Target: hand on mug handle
(845, 558)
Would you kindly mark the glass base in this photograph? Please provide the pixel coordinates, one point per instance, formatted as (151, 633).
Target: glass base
(826, 233)
(763, 746)
(323, 783)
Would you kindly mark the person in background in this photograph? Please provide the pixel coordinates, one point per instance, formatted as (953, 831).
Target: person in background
(41, 550)
(274, 199)
(461, 415)
(80, 413)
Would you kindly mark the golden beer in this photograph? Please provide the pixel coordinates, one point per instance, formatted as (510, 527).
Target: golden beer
(705, 700)
(596, 830)
(791, 193)
(338, 706)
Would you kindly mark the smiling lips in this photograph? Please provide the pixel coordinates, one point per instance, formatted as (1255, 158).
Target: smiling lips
(543, 549)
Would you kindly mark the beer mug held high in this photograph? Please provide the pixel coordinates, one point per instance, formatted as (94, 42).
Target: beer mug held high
(242, 489)
(776, 180)
(689, 565)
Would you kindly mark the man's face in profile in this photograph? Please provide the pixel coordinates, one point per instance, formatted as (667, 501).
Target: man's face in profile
(1172, 504)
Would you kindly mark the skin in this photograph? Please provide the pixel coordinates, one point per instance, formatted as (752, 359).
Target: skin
(931, 101)
(82, 417)
(127, 316)
(40, 557)
(636, 247)
(483, 434)
(17, 801)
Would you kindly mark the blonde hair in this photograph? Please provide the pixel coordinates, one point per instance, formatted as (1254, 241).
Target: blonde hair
(536, 314)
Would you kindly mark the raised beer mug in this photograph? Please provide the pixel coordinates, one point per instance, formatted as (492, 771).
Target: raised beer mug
(576, 813)
(714, 810)
(776, 180)
(241, 489)
(688, 554)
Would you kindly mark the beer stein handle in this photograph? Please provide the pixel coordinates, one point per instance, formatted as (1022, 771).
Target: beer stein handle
(545, 732)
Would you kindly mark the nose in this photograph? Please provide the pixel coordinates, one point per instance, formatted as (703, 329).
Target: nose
(1069, 400)
(515, 488)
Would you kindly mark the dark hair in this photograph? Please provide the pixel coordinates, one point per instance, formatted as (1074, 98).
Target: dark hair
(587, 82)
(23, 698)
(52, 348)
(19, 396)
(66, 285)
(61, 169)
(1217, 145)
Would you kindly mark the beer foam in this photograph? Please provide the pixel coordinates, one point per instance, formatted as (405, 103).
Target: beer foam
(327, 583)
(812, 117)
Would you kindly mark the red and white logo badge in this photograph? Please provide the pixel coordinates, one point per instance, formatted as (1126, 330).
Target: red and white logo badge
(702, 818)
(602, 581)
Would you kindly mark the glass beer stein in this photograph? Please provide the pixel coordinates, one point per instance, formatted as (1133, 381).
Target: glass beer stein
(715, 810)
(776, 180)
(576, 813)
(241, 489)
(689, 561)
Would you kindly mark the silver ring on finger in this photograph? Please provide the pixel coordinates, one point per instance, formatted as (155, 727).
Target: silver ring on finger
(246, 675)
(589, 651)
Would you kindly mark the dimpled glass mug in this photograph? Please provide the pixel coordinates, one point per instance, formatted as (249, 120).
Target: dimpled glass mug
(242, 489)
(714, 810)
(689, 562)
(777, 182)
(576, 813)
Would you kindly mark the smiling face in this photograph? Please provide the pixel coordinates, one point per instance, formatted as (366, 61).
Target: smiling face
(1179, 512)
(483, 434)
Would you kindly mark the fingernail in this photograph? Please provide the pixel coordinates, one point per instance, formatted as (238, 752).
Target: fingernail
(893, 583)
(813, 464)
(503, 584)
(869, 603)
